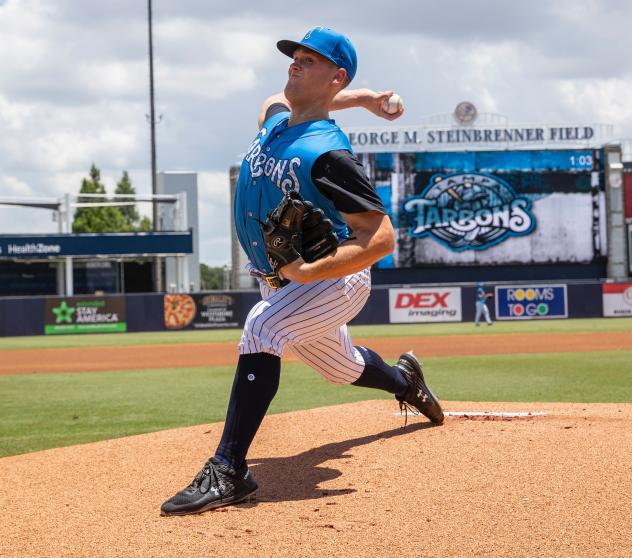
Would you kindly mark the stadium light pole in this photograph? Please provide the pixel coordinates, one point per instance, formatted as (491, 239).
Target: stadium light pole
(152, 125)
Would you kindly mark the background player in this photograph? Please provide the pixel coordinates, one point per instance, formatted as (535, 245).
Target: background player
(481, 304)
(307, 305)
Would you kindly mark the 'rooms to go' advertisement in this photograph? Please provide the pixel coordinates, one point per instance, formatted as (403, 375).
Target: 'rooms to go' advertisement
(432, 304)
(531, 302)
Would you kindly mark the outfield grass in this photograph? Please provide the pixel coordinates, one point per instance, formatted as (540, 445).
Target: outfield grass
(54, 410)
(394, 330)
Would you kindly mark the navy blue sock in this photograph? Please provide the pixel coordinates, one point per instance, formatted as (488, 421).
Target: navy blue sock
(255, 385)
(379, 375)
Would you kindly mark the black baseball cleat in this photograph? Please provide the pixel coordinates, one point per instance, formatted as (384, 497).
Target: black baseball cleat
(214, 486)
(418, 395)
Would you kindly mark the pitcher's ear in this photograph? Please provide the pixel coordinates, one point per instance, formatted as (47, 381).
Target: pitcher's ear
(341, 78)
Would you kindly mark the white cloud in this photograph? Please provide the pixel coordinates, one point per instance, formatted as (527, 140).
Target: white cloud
(113, 79)
(23, 220)
(12, 186)
(213, 187)
(12, 115)
(607, 100)
(213, 81)
(64, 139)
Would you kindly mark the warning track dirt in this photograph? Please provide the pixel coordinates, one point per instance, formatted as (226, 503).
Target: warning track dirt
(192, 355)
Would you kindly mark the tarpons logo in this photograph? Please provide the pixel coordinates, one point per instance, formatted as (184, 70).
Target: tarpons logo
(309, 33)
(469, 211)
(281, 172)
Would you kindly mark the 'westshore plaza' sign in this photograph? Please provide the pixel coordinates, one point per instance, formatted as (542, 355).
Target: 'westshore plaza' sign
(460, 135)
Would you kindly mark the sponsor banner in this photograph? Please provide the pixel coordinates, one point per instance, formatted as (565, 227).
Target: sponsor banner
(530, 302)
(101, 314)
(93, 244)
(424, 305)
(200, 311)
(617, 299)
(630, 242)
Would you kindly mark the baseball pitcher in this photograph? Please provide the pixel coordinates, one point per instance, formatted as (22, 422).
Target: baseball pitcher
(311, 224)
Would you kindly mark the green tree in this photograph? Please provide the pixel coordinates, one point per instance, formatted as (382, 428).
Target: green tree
(211, 278)
(107, 219)
(134, 221)
(96, 219)
(130, 214)
(145, 224)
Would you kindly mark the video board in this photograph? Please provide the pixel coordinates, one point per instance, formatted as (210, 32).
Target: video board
(492, 207)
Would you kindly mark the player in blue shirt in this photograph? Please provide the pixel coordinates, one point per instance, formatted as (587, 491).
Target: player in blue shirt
(307, 305)
(481, 305)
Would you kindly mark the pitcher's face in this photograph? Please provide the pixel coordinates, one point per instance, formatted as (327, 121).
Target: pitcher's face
(312, 77)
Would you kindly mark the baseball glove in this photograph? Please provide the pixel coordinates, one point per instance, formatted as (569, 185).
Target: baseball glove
(282, 231)
(318, 237)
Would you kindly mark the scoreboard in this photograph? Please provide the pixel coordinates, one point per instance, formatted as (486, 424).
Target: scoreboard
(503, 207)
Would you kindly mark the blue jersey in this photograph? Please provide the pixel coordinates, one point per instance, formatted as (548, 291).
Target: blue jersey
(480, 295)
(280, 159)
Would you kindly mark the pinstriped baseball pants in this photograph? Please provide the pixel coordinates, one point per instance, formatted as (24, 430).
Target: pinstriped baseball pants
(311, 319)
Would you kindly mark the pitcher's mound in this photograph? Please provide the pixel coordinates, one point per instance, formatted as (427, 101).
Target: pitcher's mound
(343, 481)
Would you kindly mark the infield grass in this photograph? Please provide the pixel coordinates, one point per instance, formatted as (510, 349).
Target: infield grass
(393, 330)
(54, 410)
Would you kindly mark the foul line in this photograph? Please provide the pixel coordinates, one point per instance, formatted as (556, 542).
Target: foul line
(501, 414)
(495, 414)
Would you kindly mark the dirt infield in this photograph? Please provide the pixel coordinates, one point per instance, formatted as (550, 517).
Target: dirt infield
(555, 485)
(215, 354)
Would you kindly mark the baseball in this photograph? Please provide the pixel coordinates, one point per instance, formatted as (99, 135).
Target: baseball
(393, 104)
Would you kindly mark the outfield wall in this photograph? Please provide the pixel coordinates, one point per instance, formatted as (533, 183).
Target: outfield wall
(387, 304)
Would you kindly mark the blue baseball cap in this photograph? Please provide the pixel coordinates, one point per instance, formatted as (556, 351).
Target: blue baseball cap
(329, 43)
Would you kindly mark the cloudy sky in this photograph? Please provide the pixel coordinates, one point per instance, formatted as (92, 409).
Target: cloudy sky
(74, 81)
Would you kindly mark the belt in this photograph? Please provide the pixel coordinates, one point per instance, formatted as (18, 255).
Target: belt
(271, 279)
(274, 281)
